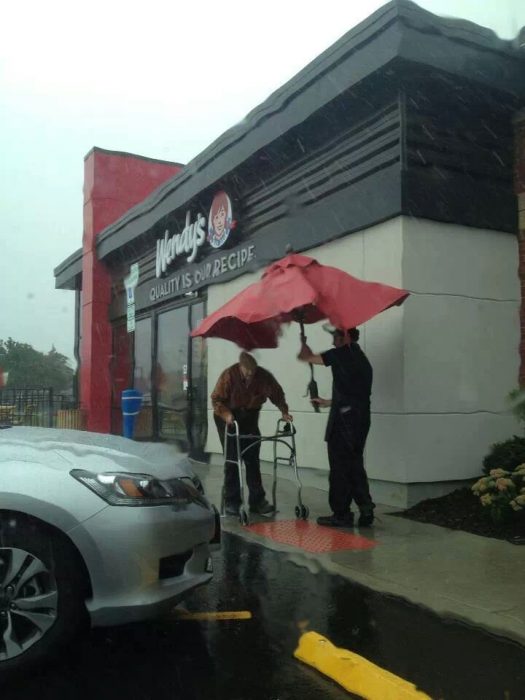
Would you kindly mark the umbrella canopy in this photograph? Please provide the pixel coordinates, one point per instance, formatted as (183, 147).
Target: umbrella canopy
(297, 288)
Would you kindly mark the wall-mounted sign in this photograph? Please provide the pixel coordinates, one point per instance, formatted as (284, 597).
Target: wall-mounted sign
(220, 220)
(188, 242)
(206, 272)
(130, 283)
(130, 318)
(193, 235)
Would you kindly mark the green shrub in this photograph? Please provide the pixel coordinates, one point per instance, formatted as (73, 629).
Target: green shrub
(505, 455)
(502, 493)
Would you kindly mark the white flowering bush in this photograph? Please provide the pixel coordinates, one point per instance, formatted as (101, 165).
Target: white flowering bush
(502, 492)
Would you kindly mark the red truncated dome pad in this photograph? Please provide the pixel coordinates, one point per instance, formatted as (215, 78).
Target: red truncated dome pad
(311, 537)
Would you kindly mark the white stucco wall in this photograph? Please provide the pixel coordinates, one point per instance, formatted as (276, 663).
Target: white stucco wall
(443, 363)
(461, 346)
(371, 254)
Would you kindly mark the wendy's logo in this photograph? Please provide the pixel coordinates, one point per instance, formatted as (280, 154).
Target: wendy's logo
(220, 220)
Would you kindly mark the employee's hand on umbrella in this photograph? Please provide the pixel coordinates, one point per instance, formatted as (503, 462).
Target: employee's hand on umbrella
(305, 352)
(287, 417)
(324, 403)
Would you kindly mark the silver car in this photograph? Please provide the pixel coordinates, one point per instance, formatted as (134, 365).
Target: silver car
(93, 525)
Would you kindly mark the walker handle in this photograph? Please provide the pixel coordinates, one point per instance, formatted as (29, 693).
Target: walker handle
(287, 427)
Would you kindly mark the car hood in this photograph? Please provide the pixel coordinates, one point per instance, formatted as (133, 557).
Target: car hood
(74, 449)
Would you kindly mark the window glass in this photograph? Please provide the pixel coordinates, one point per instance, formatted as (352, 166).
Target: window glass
(172, 374)
(142, 369)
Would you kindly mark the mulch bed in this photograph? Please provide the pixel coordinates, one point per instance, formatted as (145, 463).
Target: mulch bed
(461, 510)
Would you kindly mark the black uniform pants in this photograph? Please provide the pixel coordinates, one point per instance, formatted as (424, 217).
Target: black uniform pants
(346, 443)
(250, 448)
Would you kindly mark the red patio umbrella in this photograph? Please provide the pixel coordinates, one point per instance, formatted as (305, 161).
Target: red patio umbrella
(297, 288)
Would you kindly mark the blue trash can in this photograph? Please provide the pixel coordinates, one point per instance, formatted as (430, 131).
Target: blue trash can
(131, 405)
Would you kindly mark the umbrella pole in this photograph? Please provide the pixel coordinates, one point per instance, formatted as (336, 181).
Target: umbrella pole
(312, 389)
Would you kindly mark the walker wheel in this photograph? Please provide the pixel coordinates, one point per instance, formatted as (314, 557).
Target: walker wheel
(243, 517)
(298, 510)
(305, 512)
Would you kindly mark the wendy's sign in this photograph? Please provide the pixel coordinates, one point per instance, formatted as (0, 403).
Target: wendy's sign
(220, 220)
(187, 242)
(193, 236)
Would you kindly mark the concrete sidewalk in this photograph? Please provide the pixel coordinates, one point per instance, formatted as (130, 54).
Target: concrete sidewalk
(455, 574)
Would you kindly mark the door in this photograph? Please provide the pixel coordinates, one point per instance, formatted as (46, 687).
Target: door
(171, 376)
(170, 369)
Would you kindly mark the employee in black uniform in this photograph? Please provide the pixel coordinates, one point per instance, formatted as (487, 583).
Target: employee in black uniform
(347, 427)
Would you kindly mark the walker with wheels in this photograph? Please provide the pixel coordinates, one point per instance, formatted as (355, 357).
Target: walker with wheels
(284, 435)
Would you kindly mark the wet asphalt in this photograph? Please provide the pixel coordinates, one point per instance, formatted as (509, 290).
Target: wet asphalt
(253, 659)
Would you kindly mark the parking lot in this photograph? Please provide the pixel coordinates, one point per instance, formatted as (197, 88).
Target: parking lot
(251, 658)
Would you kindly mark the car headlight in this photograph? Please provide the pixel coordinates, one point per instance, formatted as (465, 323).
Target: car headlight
(123, 489)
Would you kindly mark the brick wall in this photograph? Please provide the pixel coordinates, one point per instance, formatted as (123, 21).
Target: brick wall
(113, 183)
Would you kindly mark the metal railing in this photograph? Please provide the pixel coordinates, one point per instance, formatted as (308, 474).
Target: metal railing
(39, 406)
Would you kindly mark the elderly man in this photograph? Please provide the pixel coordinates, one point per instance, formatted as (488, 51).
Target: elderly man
(347, 427)
(239, 394)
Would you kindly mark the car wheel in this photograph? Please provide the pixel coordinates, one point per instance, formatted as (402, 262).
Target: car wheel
(41, 592)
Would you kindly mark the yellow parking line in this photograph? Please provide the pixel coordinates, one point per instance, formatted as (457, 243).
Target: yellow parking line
(233, 615)
(353, 672)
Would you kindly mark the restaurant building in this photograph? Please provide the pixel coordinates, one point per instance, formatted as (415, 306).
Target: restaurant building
(390, 156)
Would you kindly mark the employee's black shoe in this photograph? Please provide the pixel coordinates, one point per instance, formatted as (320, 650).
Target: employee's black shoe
(334, 520)
(262, 508)
(366, 516)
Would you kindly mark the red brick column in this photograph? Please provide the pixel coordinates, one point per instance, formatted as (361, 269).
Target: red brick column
(113, 183)
(519, 185)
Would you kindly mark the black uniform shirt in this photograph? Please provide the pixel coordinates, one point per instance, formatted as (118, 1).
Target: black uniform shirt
(352, 375)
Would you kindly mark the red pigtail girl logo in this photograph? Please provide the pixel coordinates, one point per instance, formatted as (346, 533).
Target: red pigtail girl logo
(220, 221)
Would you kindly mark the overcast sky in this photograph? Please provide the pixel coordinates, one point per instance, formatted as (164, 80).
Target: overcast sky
(161, 79)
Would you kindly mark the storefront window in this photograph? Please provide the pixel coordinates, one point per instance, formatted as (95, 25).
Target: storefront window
(174, 383)
(172, 375)
(142, 370)
(198, 383)
(142, 376)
